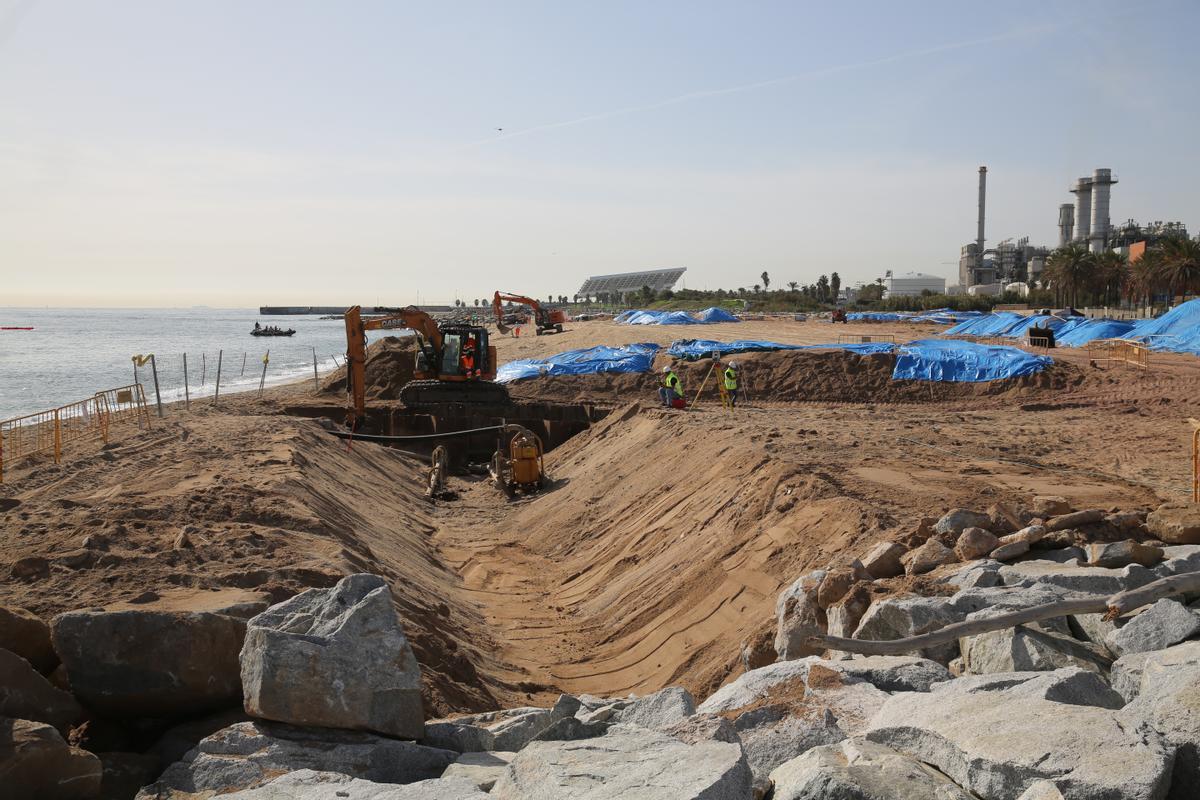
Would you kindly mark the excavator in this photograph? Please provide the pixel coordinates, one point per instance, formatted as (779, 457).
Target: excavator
(455, 363)
(546, 320)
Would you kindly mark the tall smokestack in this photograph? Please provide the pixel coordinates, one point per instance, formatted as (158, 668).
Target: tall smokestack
(1066, 224)
(1083, 209)
(979, 231)
(1102, 179)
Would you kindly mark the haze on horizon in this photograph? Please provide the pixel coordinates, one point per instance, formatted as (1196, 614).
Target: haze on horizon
(235, 154)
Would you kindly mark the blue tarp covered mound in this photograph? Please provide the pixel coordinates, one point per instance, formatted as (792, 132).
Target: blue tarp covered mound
(629, 358)
(705, 317)
(1078, 332)
(693, 349)
(964, 362)
(1177, 331)
(990, 325)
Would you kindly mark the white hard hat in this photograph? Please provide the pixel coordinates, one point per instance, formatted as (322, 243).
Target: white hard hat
(666, 368)
(732, 363)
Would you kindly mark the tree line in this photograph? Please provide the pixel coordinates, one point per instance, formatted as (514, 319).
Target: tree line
(1169, 267)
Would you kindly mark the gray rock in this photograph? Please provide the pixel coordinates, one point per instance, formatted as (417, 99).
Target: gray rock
(799, 616)
(570, 729)
(975, 543)
(25, 694)
(703, 728)
(629, 763)
(958, 520)
(793, 706)
(1094, 628)
(834, 586)
(893, 673)
(883, 560)
(177, 740)
(1085, 580)
(1004, 598)
(1115, 555)
(660, 710)
(1168, 702)
(927, 557)
(981, 573)
(856, 769)
(1010, 550)
(481, 769)
(901, 617)
(458, 736)
(307, 784)
(1179, 559)
(1175, 523)
(1075, 556)
(1028, 648)
(1163, 624)
(1030, 533)
(997, 735)
(176, 654)
(1047, 506)
(24, 633)
(1129, 671)
(1042, 790)
(511, 729)
(335, 658)
(1075, 519)
(250, 754)
(37, 764)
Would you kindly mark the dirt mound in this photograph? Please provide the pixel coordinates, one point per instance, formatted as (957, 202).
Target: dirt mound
(390, 364)
(272, 504)
(797, 376)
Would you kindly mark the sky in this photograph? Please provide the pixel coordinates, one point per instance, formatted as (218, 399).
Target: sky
(249, 152)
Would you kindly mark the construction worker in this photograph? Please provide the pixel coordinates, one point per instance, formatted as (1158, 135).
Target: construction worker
(467, 358)
(730, 377)
(671, 388)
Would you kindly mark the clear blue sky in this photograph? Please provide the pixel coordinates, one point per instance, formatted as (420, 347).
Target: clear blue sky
(161, 152)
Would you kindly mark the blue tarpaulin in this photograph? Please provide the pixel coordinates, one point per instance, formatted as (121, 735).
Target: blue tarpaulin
(963, 362)
(693, 349)
(1177, 331)
(991, 325)
(705, 317)
(1078, 332)
(629, 358)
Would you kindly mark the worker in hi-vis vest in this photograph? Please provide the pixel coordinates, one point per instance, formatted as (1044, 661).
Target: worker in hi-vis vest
(670, 389)
(731, 383)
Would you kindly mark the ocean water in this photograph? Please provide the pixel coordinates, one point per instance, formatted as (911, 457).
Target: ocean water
(72, 353)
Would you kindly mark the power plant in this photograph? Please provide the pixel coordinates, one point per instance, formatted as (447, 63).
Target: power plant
(1012, 265)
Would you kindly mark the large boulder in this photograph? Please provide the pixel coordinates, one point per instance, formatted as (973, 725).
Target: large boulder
(481, 769)
(175, 654)
(1115, 555)
(1175, 523)
(997, 735)
(511, 729)
(883, 560)
(798, 616)
(629, 763)
(1046, 506)
(957, 520)
(1168, 702)
(856, 769)
(660, 710)
(975, 543)
(1129, 671)
(250, 754)
(902, 617)
(336, 658)
(1178, 559)
(1031, 647)
(25, 694)
(1074, 519)
(307, 784)
(791, 707)
(1163, 624)
(927, 557)
(24, 633)
(1084, 580)
(843, 616)
(37, 764)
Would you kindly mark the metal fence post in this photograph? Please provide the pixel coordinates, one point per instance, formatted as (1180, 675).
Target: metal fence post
(262, 381)
(57, 438)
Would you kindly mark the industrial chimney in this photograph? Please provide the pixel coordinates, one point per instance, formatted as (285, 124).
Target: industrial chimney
(979, 231)
(1083, 209)
(1102, 179)
(1066, 224)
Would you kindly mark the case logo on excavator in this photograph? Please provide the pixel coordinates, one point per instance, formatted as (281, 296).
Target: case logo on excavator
(393, 323)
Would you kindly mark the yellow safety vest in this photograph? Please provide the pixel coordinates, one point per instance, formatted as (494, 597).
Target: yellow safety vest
(730, 379)
(671, 382)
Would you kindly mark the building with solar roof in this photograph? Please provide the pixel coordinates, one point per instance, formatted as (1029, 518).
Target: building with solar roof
(614, 286)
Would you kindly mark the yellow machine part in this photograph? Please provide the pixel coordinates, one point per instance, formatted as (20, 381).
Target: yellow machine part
(526, 466)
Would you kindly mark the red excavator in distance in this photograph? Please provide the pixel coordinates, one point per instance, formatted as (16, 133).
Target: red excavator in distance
(546, 320)
(454, 363)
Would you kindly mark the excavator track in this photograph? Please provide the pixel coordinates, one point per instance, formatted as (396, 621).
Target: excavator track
(433, 394)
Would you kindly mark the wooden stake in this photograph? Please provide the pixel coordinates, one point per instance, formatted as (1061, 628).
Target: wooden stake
(243, 365)
(217, 394)
(157, 396)
(263, 380)
(316, 380)
(187, 397)
(203, 369)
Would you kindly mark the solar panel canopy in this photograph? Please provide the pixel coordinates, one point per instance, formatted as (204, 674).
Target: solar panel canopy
(656, 279)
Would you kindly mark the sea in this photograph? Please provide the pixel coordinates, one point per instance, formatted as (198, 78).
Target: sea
(72, 353)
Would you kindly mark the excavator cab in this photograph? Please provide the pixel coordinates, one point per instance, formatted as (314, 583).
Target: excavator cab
(465, 352)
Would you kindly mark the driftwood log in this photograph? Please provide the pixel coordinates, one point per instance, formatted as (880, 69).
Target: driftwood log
(1114, 606)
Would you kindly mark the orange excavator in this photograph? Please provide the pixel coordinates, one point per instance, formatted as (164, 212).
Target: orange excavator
(455, 363)
(546, 320)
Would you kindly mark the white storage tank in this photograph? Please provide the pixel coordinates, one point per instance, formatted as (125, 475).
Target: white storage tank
(912, 284)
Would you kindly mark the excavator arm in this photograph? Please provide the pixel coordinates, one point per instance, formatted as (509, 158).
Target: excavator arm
(356, 347)
(505, 297)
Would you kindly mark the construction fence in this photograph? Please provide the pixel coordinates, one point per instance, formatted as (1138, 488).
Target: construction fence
(90, 419)
(1123, 351)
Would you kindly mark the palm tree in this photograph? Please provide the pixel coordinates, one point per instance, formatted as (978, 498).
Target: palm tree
(766, 279)
(1110, 272)
(1180, 268)
(757, 288)
(792, 285)
(1068, 269)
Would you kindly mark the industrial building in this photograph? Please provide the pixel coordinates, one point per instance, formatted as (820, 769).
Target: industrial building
(912, 284)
